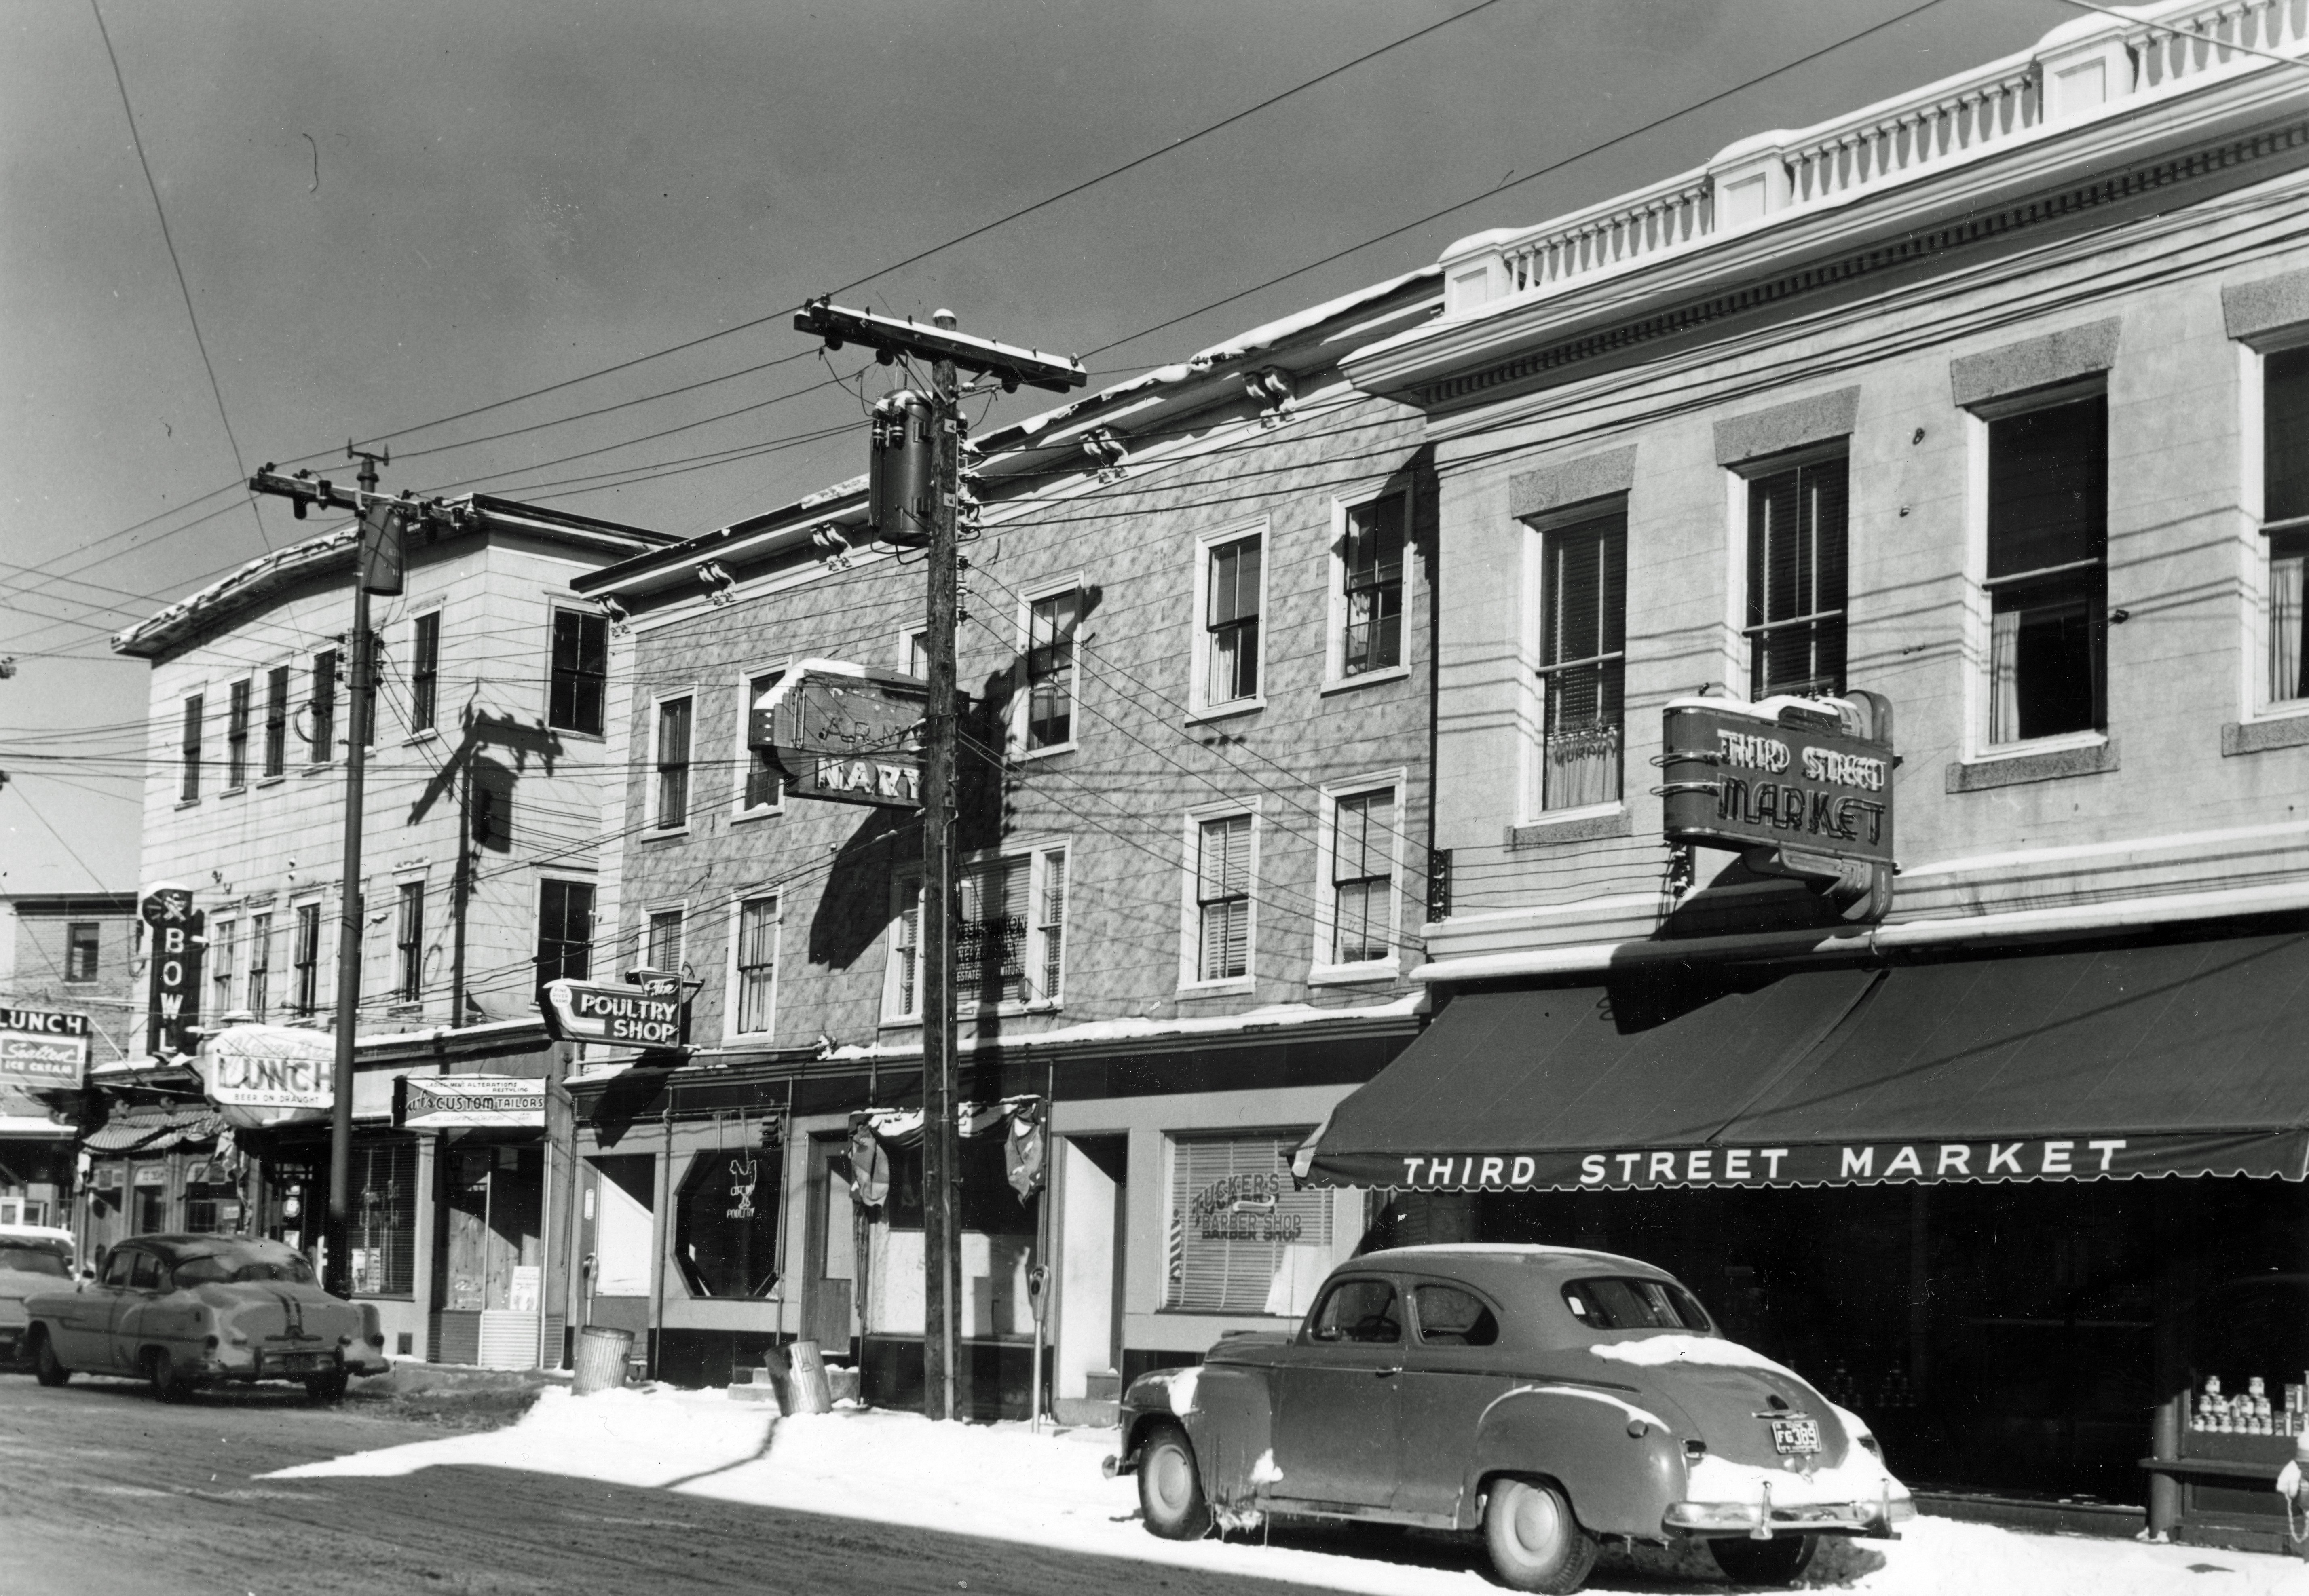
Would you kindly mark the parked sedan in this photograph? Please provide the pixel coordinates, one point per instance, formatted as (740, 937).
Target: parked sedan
(33, 1259)
(185, 1311)
(1546, 1396)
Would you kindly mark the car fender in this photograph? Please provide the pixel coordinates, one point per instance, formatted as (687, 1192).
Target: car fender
(1231, 1423)
(1618, 1457)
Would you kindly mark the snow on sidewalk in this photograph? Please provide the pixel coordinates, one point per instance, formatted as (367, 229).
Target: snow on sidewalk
(1006, 1482)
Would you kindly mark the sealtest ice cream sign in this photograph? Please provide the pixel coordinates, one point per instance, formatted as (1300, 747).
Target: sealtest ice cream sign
(42, 1048)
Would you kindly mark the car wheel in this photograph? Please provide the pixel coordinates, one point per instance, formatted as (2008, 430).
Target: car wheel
(1534, 1541)
(326, 1388)
(45, 1368)
(1170, 1491)
(168, 1385)
(1779, 1561)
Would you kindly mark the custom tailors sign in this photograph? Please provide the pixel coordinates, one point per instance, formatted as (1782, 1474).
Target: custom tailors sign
(42, 1048)
(466, 1102)
(843, 732)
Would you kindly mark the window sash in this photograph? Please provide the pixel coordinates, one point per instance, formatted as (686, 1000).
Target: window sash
(990, 956)
(425, 672)
(224, 946)
(2048, 488)
(564, 930)
(1231, 620)
(411, 942)
(276, 720)
(765, 783)
(1049, 924)
(1050, 625)
(1371, 562)
(581, 648)
(2288, 670)
(306, 956)
(83, 940)
(260, 964)
(665, 940)
(757, 927)
(2046, 652)
(189, 787)
(323, 706)
(1362, 878)
(1797, 579)
(1222, 899)
(673, 764)
(236, 735)
(905, 952)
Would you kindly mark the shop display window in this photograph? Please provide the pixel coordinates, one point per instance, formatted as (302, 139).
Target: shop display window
(988, 1203)
(383, 1220)
(494, 1251)
(725, 1222)
(1241, 1239)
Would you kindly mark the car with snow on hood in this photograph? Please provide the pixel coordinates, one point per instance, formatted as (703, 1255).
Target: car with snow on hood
(1546, 1397)
(33, 1258)
(185, 1311)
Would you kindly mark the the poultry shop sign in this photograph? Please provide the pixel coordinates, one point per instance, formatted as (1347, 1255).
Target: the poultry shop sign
(653, 1015)
(1800, 787)
(1243, 1208)
(843, 732)
(42, 1048)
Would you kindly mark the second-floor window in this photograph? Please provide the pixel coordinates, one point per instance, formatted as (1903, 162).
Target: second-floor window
(1583, 658)
(1232, 594)
(236, 734)
(1370, 564)
(1009, 935)
(2284, 516)
(1362, 878)
(1051, 679)
(224, 948)
(425, 671)
(276, 720)
(765, 786)
(304, 959)
(408, 945)
(322, 708)
(82, 941)
(188, 749)
(758, 963)
(1796, 579)
(564, 930)
(662, 944)
(260, 964)
(2048, 571)
(581, 664)
(673, 808)
(1222, 898)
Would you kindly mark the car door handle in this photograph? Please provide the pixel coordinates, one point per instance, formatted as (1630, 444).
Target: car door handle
(1386, 1373)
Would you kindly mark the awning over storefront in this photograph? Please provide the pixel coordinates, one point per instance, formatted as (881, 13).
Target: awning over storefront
(2181, 1058)
(153, 1129)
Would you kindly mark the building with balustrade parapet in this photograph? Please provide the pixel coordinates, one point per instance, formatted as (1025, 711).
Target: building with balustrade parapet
(1990, 400)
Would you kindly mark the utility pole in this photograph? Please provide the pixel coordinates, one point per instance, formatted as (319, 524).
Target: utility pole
(379, 566)
(949, 352)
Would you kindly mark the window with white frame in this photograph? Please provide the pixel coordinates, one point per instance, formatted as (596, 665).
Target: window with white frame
(304, 959)
(1222, 865)
(2285, 515)
(914, 651)
(579, 681)
(564, 930)
(672, 809)
(1233, 587)
(1370, 582)
(276, 720)
(1797, 570)
(2048, 570)
(425, 671)
(260, 964)
(236, 734)
(1583, 658)
(756, 964)
(1051, 669)
(188, 749)
(408, 945)
(902, 989)
(1361, 852)
(224, 950)
(764, 788)
(1011, 914)
(662, 949)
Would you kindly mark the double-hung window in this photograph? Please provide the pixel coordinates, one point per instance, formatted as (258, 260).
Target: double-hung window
(188, 750)
(1233, 592)
(304, 959)
(83, 940)
(1051, 670)
(322, 708)
(1583, 658)
(408, 945)
(662, 942)
(2048, 571)
(276, 720)
(1370, 566)
(425, 672)
(756, 964)
(260, 964)
(581, 667)
(1009, 934)
(2285, 515)
(236, 734)
(1222, 898)
(1362, 878)
(564, 930)
(902, 990)
(1796, 563)
(224, 947)
(673, 808)
(764, 787)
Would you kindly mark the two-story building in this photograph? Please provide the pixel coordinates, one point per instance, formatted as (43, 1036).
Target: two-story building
(1194, 828)
(1990, 400)
(485, 774)
(60, 953)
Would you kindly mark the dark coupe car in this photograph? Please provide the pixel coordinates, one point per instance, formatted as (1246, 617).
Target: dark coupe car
(185, 1311)
(1547, 1396)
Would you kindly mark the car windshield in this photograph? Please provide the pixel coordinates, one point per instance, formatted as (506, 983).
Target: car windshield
(229, 1268)
(1623, 1304)
(27, 1259)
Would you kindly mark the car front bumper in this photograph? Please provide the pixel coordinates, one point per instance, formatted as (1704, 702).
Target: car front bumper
(1763, 1519)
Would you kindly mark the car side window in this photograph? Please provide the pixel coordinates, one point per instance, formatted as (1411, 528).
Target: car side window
(117, 1268)
(1450, 1317)
(1359, 1311)
(147, 1275)
(200, 1271)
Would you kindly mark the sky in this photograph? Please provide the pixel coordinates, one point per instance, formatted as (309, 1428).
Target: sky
(586, 224)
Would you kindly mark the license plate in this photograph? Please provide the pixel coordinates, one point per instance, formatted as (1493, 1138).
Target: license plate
(306, 1363)
(1794, 1436)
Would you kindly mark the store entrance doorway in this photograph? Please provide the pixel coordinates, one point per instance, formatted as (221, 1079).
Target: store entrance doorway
(830, 1254)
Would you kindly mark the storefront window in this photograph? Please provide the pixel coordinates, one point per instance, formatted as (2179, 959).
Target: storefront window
(212, 1200)
(725, 1222)
(495, 1252)
(383, 1219)
(988, 1203)
(1241, 1239)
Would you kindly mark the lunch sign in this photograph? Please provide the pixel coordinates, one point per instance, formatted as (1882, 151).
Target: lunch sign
(42, 1048)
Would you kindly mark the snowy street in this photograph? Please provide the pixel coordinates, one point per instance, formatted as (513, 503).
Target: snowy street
(948, 1506)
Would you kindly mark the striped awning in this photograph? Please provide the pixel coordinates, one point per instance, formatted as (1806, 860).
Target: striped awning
(154, 1128)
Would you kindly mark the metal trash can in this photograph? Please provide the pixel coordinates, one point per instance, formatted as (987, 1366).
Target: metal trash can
(601, 1354)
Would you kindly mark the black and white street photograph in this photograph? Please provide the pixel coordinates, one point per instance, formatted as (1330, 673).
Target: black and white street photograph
(1226, 797)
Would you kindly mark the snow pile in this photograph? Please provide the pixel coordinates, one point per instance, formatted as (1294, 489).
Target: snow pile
(653, 1439)
(1006, 1483)
(1655, 1351)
